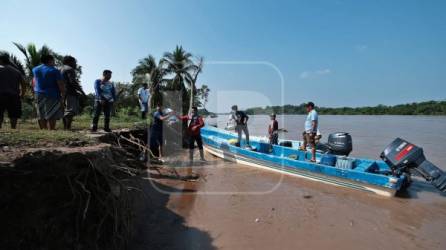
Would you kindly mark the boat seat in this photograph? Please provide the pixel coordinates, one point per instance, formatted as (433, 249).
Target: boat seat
(367, 167)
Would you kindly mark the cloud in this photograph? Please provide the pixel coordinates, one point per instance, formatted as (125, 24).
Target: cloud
(311, 74)
(361, 47)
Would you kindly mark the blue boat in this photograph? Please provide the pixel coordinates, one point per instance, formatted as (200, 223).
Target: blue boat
(361, 174)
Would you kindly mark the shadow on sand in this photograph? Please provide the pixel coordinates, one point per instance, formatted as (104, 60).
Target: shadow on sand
(157, 227)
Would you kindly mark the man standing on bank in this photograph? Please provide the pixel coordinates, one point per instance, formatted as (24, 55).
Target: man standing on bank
(241, 119)
(311, 125)
(73, 89)
(50, 92)
(156, 131)
(195, 123)
(143, 98)
(105, 96)
(12, 88)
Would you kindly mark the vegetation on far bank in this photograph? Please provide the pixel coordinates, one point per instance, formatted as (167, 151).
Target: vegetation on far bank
(420, 108)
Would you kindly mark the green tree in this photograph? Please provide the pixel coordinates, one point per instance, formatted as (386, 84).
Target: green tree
(152, 73)
(203, 95)
(179, 64)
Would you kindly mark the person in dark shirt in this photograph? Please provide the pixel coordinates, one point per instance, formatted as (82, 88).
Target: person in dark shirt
(241, 119)
(273, 130)
(156, 131)
(193, 131)
(50, 92)
(12, 88)
(73, 90)
(105, 96)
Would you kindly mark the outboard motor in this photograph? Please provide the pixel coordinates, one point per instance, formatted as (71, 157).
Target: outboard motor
(404, 157)
(339, 143)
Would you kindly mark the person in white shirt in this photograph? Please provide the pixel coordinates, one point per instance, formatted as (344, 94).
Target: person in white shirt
(143, 98)
(311, 128)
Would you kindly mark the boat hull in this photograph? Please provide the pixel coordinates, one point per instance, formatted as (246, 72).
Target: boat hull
(243, 160)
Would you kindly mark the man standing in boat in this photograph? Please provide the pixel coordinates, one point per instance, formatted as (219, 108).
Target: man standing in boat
(195, 123)
(311, 124)
(273, 130)
(241, 119)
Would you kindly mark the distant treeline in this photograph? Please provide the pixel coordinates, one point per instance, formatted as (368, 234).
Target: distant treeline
(420, 108)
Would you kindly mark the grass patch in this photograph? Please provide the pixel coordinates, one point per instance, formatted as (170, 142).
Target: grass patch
(29, 134)
(26, 137)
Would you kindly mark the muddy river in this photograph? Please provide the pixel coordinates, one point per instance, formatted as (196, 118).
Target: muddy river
(240, 207)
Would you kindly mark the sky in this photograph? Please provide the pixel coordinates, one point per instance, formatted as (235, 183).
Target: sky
(257, 53)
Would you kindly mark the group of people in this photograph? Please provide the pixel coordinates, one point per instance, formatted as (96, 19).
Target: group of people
(194, 123)
(310, 134)
(57, 93)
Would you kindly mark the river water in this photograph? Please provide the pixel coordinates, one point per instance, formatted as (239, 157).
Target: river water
(371, 134)
(240, 207)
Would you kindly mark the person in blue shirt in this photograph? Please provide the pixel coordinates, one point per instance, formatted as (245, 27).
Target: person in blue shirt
(311, 125)
(50, 91)
(105, 96)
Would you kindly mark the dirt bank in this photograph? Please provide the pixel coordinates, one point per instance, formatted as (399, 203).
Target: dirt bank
(76, 195)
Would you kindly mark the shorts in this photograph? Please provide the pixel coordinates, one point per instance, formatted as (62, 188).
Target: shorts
(309, 138)
(12, 104)
(72, 106)
(48, 108)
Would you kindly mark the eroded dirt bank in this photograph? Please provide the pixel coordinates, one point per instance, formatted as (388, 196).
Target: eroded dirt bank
(88, 195)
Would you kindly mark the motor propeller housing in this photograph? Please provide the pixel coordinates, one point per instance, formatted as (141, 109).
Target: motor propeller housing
(404, 157)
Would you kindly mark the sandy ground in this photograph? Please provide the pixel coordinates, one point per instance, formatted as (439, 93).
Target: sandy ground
(239, 207)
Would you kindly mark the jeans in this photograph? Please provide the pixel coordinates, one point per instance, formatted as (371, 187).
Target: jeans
(99, 107)
(239, 128)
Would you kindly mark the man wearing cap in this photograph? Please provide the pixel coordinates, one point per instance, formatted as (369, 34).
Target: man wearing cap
(311, 124)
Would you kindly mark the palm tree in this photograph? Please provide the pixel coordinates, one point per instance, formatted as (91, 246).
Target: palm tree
(193, 88)
(33, 55)
(15, 62)
(203, 93)
(180, 64)
(148, 68)
(32, 59)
